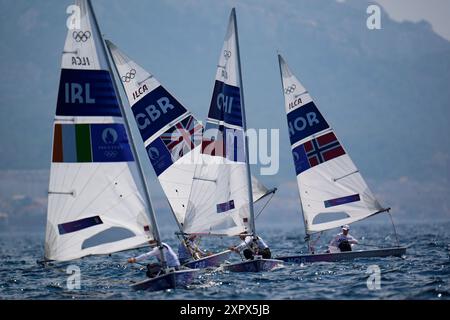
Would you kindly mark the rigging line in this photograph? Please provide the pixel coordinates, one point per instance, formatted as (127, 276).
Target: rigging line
(265, 205)
(266, 194)
(393, 225)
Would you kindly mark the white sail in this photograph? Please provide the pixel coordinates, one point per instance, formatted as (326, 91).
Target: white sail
(219, 202)
(96, 201)
(173, 144)
(171, 134)
(332, 191)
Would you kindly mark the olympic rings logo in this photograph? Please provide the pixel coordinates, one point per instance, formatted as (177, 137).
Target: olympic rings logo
(227, 54)
(129, 75)
(81, 36)
(111, 153)
(290, 89)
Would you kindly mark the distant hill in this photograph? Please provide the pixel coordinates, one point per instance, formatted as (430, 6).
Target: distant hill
(386, 92)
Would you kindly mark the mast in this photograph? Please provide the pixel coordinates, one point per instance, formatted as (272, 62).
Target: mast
(244, 127)
(307, 235)
(151, 213)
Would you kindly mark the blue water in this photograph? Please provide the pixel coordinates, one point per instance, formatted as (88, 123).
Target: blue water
(423, 274)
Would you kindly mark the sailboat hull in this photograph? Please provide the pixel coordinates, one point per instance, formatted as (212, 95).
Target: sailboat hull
(214, 260)
(256, 265)
(171, 280)
(332, 257)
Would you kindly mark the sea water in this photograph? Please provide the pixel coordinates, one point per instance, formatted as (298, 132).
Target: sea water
(423, 273)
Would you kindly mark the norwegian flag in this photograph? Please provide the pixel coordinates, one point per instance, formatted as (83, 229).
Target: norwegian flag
(182, 137)
(317, 151)
(322, 149)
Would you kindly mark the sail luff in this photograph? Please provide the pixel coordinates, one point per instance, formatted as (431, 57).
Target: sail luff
(141, 175)
(151, 213)
(244, 127)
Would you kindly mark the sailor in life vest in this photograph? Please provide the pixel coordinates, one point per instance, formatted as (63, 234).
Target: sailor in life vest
(252, 245)
(188, 250)
(153, 269)
(342, 242)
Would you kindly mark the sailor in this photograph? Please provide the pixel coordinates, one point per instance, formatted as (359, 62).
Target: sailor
(343, 241)
(251, 246)
(154, 269)
(188, 249)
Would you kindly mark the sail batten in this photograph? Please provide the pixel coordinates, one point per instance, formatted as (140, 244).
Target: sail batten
(329, 182)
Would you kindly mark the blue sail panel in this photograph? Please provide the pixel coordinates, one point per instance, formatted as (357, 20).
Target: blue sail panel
(304, 122)
(226, 104)
(155, 111)
(86, 93)
(110, 143)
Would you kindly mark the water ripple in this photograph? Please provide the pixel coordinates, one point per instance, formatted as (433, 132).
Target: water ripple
(422, 274)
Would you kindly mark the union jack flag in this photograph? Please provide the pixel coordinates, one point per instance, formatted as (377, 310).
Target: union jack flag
(182, 137)
(317, 151)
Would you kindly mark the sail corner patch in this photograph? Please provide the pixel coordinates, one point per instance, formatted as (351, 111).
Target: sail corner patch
(342, 200)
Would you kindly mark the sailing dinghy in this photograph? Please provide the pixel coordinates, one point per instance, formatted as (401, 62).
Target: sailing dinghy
(328, 180)
(172, 140)
(222, 195)
(98, 199)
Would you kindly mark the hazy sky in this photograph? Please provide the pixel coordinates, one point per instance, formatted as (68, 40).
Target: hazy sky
(385, 92)
(436, 12)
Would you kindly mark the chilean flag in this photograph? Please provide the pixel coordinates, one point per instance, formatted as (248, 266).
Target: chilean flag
(316, 151)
